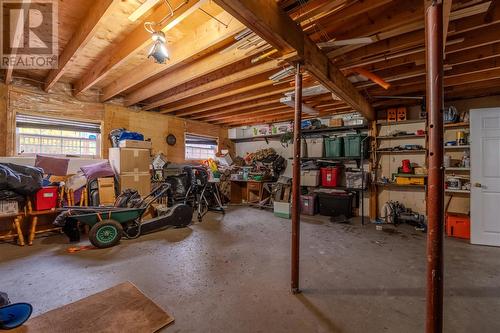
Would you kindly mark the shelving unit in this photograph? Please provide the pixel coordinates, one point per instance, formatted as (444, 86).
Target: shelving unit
(414, 151)
(458, 191)
(305, 133)
(457, 200)
(456, 147)
(457, 169)
(386, 162)
(396, 137)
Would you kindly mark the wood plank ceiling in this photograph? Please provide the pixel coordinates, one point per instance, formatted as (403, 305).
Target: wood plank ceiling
(214, 77)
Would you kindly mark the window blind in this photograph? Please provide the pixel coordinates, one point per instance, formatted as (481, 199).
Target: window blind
(200, 140)
(26, 121)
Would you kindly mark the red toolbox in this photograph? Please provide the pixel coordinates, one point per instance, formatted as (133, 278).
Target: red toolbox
(46, 198)
(458, 225)
(330, 176)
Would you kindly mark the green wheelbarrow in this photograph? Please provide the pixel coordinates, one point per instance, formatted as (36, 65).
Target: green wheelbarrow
(109, 224)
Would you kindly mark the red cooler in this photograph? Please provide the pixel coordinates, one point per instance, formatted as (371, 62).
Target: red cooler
(330, 176)
(46, 198)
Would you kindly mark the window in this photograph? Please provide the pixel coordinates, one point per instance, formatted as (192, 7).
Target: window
(200, 147)
(37, 135)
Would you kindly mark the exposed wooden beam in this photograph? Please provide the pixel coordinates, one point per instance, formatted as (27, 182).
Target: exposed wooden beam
(267, 20)
(446, 19)
(240, 107)
(138, 39)
(234, 98)
(492, 11)
(212, 96)
(213, 67)
(221, 78)
(338, 20)
(99, 12)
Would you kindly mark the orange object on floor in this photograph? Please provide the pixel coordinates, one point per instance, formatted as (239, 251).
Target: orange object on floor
(79, 248)
(458, 225)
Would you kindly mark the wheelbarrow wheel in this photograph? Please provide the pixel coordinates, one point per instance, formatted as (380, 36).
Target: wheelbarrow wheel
(106, 233)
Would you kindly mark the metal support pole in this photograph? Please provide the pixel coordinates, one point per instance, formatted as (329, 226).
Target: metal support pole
(435, 192)
(297, 134)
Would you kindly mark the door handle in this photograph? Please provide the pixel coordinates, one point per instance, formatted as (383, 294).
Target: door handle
(478, 185)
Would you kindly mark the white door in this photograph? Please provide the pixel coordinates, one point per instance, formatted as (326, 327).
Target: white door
(485, 176)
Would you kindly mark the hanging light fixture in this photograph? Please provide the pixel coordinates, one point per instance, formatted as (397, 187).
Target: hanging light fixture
(159, 50)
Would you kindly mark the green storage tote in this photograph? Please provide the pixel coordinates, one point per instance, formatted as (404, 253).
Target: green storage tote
(352, 146)
(334, 147)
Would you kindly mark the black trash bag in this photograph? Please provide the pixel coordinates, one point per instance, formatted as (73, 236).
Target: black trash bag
(24, 180)
(8, 195)
(129, 198)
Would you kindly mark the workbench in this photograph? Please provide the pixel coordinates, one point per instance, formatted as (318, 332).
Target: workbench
(251, 192)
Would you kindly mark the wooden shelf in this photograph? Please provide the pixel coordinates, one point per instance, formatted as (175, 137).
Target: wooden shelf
(332, 158)
(457, 125)
(304, 133)
(457, 169)
(397, 137)
(458, 191)
(385, 123)
(414, 151)
(393, 185)
(457, 147)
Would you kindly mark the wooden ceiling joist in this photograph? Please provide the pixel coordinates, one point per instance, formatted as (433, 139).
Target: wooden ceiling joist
(205, 39)
(100, 10)
(212, 96)
(267, 20)
(234, 99)
(217, 79)
(240, 107)
(211, 68)
(138, 39)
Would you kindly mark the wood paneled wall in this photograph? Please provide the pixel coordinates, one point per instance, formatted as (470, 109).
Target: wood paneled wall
(61, 104)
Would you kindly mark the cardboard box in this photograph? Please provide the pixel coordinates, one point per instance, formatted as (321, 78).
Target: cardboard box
(138, 181)
(9, 208)
(309, 177)
(136, 144)
(337, 122)
(283, 209)
(129, 160)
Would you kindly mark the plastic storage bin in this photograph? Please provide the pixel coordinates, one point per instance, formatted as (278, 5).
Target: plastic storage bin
(352, 146)
(335, 204)
(309, 177)
(308, 204)
(458, 225)
(283, 209)
(330, 176)
(334, 147)
(46, 198)
(312, 147)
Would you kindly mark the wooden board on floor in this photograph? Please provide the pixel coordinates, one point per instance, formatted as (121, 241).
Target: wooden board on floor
(123, 308)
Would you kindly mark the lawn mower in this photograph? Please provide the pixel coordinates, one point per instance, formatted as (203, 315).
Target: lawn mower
(109, 224)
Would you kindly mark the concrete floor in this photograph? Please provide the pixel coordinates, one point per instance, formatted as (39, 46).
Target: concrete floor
(231, 274)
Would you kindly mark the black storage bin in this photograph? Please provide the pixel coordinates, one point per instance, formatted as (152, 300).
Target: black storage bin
(335, 204)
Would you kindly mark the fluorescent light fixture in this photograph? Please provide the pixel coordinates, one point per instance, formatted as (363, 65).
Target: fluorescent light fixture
(290, 101)
(159, 50)
(346, 42)
(146, 5)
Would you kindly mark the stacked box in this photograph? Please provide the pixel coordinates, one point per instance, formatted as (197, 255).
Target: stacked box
(131, 165)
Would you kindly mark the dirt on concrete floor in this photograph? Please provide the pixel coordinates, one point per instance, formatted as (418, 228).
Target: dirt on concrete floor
(231, 274)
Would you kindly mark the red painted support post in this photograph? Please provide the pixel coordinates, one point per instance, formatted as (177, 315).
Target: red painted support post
(296, 182)
(435, 191)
